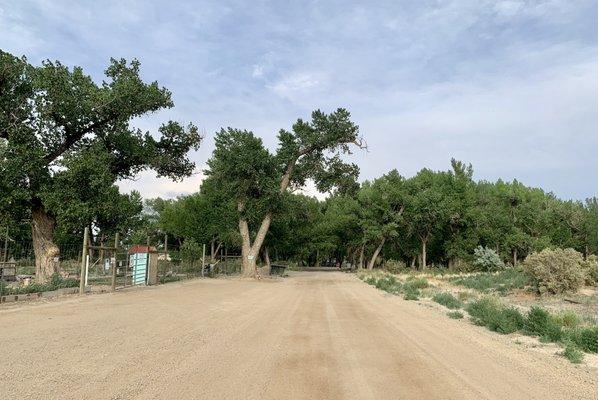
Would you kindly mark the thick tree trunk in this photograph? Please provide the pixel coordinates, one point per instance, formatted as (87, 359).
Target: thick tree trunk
(46, 252)
(375, 255)
(266, 259)
(424, 254)
(361, 252)
(249, 251)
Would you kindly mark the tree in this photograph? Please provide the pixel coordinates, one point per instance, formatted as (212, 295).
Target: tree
(256, 180)
(382, 203)
(429, 208)
(54, 119)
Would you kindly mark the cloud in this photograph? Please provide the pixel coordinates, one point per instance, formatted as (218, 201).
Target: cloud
(508, 85)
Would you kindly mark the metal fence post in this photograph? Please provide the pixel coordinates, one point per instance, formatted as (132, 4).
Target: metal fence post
(83, 261)
(115, 263)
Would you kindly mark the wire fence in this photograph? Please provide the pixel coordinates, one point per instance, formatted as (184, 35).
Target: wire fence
(106, 268)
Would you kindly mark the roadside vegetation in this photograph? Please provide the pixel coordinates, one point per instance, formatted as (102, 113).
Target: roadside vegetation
(487, 297)
(56, 282)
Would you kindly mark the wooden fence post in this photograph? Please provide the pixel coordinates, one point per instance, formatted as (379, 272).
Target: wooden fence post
(114, 265)
(83, 261)
(203, 259)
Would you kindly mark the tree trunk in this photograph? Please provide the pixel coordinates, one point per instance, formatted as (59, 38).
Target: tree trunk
(250, 251)
(266, 255)
(361, 251)
(424, 253)
(46, 252)
(376, 253)
(514, 257)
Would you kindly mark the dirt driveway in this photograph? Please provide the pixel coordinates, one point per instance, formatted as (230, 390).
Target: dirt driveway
(314, 335)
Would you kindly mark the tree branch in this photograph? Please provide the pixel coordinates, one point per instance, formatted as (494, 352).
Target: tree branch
(74, 137)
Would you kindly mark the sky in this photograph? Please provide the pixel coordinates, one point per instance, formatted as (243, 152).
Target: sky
(509, 86)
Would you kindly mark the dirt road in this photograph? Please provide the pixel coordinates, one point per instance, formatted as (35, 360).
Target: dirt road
(314, 335)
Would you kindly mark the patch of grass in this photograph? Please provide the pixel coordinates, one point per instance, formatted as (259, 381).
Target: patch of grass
(455, 314)
(410, 293)
(573, 354)
(388, 283)
(502, 282)
(447, 300)
(56, 282)
(417, 283)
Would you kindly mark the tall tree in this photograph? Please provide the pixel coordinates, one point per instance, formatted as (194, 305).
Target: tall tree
(256, 179)
(53, 118)
(382, 204)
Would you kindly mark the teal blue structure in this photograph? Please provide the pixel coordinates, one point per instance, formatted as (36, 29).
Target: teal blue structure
(139, 263)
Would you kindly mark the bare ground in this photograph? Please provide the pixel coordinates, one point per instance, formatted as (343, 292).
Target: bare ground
(314, 335)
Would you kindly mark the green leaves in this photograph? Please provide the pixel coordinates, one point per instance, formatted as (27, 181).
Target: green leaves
(65, 139)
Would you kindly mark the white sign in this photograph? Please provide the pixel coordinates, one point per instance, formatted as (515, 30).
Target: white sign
(250, 257)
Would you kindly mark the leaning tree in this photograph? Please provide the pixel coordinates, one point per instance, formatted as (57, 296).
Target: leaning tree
(256, 179)
(59, 130)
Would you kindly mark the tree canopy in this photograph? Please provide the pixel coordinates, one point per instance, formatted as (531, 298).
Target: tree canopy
(65, 140)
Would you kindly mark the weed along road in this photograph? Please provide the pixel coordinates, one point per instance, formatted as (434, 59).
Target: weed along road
(313, 335)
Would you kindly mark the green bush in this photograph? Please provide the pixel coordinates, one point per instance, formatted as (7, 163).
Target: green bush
(556, 271)
(585, 338)
(455, 314)
(539, 322)
(388, 283)
(481, 311)
(496, 317)
(447, 300)
(394, 266)
(411, 293)
(573, 354)
(568, 319)
(506, 320)
(486, 259)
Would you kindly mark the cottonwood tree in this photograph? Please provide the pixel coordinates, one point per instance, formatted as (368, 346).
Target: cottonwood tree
(256, 179)
(53, 118)
(382, 203)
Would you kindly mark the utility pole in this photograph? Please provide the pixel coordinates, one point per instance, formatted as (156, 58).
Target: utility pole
(83, 261)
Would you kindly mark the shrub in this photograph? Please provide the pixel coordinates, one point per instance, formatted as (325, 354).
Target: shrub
(567, 319)
(394, 266)
(388, 283)
(505, 321)
(411, 293)
(417, 283)
(585, 338)
(447, 300)
(481, 311)
(486, 259)
(455, 314)
(502, 282)
(591, 270)
(572, 354)
(540, 323)
(555, 271)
